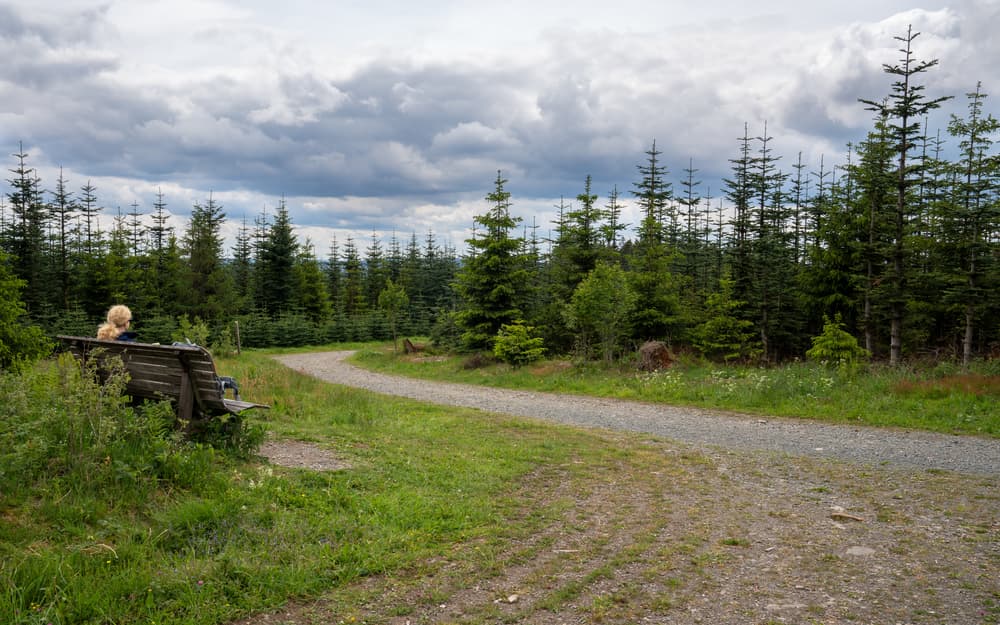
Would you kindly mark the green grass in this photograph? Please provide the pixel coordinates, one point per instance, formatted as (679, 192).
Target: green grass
(108, 516)
(941, 398)
(170, 532)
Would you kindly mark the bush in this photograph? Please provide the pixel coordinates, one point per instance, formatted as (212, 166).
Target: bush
(195, 332)
(515, 346)
(20, 342)
(836, 347)
(446, 333)
(61, 428)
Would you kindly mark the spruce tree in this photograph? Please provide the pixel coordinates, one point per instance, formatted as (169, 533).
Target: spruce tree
(612, 226)
(973, 217)
(354, 300)
(25, 238)
(656, 315)
(210, 291)
(90, 210)
(493, 280)
(311, 296)
(904, 109)
(376, 270)
(335, 277)
(276, 264)
(242, 268)
(739, 192)
(62, 208)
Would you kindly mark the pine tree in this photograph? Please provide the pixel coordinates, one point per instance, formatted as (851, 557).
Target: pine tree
(311, 296)
(276, 264)
(492, 281)
(62, 209)
(739, 192)
(974, 215)
(656, 315)
(242, 268)
(411, 280)
(25, 239)
(690, 248)
(772, 263)
(578, 246)
(612, 227)
(210, 291)
(376, 271)
(354, 299)
(90, 211)
(903, 110)
(653, 194)
(335, 277)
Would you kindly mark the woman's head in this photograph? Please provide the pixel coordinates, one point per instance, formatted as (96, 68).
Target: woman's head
(119, 317)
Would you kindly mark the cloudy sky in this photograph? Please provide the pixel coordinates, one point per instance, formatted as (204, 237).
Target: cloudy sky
(388, 116)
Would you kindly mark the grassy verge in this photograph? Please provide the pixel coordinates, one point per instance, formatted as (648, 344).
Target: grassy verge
(941, 399)
(108, 517)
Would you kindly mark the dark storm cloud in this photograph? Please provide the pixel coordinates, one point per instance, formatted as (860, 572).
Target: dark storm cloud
(400, 132)
(40, 56)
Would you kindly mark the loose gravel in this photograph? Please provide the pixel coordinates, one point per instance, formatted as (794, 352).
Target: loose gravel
(707, 428)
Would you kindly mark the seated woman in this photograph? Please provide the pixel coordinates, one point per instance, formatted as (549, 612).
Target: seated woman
(117, 326)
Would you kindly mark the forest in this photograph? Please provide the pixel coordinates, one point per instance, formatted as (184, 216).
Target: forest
(899, 246)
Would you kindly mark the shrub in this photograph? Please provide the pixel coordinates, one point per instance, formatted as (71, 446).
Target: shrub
(446, 333)
(516, 346)
(836, 347)
(20, 342)
(724, 336)
(60, 426)
(188, 331)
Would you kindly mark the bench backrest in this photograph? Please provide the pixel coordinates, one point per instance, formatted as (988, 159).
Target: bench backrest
(184, 374)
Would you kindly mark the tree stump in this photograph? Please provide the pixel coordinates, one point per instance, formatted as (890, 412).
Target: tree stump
(410, 347)
(654, 355)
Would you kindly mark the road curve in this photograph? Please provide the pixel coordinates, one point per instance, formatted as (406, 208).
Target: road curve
(865, 445)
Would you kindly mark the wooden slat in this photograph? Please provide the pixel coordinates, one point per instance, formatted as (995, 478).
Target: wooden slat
(185, 374)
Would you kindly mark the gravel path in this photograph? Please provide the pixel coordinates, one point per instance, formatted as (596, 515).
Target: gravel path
(877, 446)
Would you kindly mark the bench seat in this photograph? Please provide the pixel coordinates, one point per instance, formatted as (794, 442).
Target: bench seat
(184, 374)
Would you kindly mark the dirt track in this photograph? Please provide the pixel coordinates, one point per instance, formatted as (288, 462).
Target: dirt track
(697, 531)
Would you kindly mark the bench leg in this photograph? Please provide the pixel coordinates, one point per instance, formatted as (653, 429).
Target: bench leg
(185, 401)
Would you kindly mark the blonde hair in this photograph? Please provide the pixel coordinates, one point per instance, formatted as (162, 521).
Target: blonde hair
(118, 318)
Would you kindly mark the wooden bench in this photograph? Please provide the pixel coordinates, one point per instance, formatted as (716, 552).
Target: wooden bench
(184, 374)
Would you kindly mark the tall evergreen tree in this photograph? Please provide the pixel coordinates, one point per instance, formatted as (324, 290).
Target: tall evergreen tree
(354, 298)
(26, 233)
(578, 247)
(690, 248)
(311, 296)
(772, 257)
(335, 277)
(276, 264)
(656, 314)
(974, 216)
(739, 192)
(376, 271)
(653, 194)
(242, 268)
(612, 226)
(210, 293)
(90, 210)
(62, 209)
(492, 281)
(904, 109)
